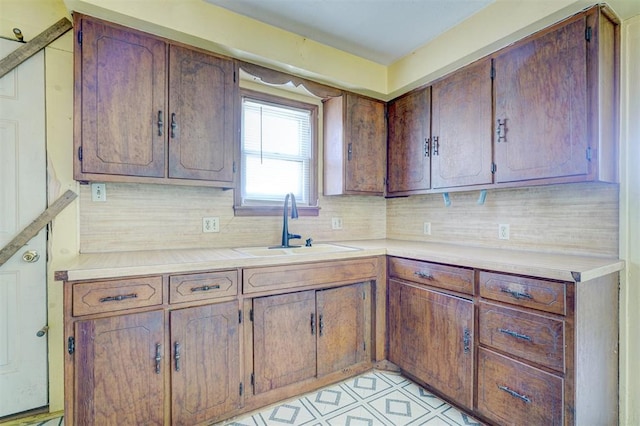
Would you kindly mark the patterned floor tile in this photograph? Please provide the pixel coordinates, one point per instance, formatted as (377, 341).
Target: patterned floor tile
(289, 413)
(360, 415)
(330, 400)
(399, 409)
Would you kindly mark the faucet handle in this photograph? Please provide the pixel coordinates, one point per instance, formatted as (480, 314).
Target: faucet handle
(308, 242)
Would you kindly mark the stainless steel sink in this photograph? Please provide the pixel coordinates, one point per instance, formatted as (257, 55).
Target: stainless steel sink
(297, 251)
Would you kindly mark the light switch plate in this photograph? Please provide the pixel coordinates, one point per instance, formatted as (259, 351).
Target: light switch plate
(210, 224)
(98, 192)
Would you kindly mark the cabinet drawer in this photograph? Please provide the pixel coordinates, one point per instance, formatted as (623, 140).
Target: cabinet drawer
(549, 296)
(529, 336)
(205, 286)
(108, 296)
(510, 392)
(447, 277)
(256, 280)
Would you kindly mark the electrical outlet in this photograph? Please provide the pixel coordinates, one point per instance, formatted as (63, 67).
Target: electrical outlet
(336, 223)
(503, 231)
(427, 228)
(98, 192)
(210, 224)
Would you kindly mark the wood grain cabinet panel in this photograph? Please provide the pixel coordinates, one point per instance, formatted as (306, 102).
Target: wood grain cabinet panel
(409, 149)
(205, 362)
(122, 88)
(535, 338)
(355, 145)
(431, 338)
(116, 295)
(461, 143)
(448, 277)
(514, 393)
(120, 365)
(204, 286)
(541, 106)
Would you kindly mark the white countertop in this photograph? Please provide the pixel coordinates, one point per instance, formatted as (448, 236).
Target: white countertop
(151, 262)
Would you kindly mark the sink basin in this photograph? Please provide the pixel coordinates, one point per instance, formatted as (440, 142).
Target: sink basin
(280, 251)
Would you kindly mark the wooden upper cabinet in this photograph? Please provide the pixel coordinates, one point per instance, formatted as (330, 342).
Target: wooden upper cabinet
(355, 145)
(541, 106)
(148, 110)
(200, 122)
(461, 151)
(121, 85)
(409, 155)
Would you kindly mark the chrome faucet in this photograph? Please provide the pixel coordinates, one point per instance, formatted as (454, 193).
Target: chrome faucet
(286, 236)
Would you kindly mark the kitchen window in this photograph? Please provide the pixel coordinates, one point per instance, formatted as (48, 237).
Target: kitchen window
(278, 155)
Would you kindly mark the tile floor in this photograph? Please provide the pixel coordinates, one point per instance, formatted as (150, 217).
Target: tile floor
(371, 399)
(375, 398)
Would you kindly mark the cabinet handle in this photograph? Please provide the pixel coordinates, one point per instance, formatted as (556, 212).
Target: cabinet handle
(118, 297)
(436, 145)
(423, 275)
(517, 294)
(160, 123)
(349, 151)
(320, 325)
(466, 340)
(313, 324)
(174, 125)
(158, 357)
(427, 142)
(176, 355)
(501, 130)
(515, 394)
(205, 288)
(514, 334)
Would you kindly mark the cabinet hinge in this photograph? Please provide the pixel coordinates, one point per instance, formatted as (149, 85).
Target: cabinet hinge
(79, 37)
(80, 153)
(71, 345)
(251, 315)
(493, 168)
(492, 72)
(234, 76)
(234, 167)
(240, 316)
(587, 34)
(253, 379)
(241, 389)
(364, 295)
(589, 153)
(364, 346)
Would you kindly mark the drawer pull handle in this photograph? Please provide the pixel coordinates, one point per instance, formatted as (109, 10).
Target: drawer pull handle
(176, 355)
(118, 297)
(423, 275)
(466, 341)
(517, 294)
(158, 357)
(206, 288)
(515, 394)
(514, 334)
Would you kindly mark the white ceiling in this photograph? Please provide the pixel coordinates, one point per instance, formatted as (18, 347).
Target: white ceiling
(382, 31)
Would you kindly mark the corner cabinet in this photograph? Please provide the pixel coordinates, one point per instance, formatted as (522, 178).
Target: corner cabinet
(355, 140)
(150, 111)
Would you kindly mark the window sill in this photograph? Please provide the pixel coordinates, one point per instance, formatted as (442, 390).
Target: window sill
(272, 211)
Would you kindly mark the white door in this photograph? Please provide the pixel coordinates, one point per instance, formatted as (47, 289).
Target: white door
(23, 292)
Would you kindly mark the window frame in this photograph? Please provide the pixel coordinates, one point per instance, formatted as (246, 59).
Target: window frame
(268, 209)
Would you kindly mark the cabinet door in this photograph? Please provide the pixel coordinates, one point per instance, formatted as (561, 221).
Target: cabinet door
(205, 370)
(461, 128)
(343, 332)
(541, 106)
(431, 338)
(409, 152)
(284, 339)
(122, 101)
(119, 370)
(201, 119)
(366, 138)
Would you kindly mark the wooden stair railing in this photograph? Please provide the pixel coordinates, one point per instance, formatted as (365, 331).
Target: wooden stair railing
(34, 227)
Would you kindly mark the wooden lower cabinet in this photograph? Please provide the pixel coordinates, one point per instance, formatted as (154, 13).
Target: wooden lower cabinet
(205, 367)
(431, 339)
(304, 335)
(119, 370)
